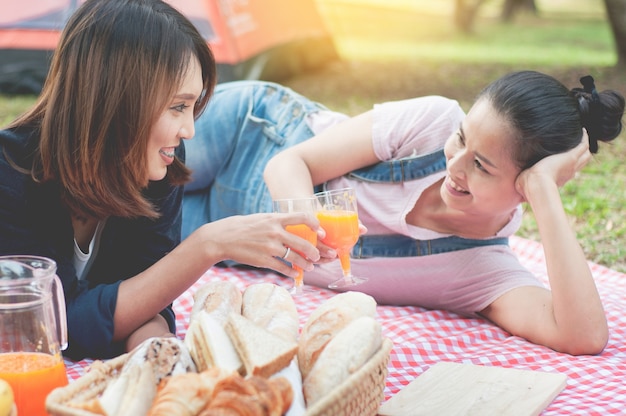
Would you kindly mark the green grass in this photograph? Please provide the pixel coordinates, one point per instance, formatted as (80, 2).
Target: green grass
(575, 34)
(11, 106)
(415, 51)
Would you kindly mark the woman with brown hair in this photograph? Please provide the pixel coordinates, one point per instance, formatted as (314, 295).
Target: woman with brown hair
(92, 176)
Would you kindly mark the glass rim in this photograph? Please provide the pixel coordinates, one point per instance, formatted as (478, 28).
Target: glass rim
(330, 191)
(304, 198)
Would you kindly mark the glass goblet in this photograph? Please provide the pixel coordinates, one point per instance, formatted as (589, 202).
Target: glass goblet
(307, 204)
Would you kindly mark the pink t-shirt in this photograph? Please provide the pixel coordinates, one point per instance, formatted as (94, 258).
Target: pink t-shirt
(464, 281)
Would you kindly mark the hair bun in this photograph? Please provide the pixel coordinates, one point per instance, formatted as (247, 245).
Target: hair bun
(601, 113)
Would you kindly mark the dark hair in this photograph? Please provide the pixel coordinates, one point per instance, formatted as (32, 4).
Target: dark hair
(548, 118)
(116, 67)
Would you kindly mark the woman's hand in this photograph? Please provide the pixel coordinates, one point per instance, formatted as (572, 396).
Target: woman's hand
(558, 168)
(260, 240)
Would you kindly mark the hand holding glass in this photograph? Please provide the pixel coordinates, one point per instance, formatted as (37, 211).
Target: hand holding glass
(310, 205)
(339, 218)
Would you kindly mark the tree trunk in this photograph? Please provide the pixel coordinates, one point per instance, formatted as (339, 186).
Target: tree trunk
(465, 12)
(616, 12)
(511, 7)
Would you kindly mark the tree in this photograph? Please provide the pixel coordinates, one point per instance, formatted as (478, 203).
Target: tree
(465, 11)
(616, 12)
(510, 7)
(464, 14)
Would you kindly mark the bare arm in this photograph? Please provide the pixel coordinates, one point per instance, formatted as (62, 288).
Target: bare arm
(338, 150)
(256, 240)
(569, 318)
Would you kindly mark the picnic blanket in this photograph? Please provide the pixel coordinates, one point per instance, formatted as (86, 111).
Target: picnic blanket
(595, 384)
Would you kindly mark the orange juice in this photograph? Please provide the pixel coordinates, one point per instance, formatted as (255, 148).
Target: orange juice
(309, 235)
(342, 228)
(342, 233)
(32, 377)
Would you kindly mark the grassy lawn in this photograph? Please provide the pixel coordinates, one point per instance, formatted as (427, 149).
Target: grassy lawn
(395, 49)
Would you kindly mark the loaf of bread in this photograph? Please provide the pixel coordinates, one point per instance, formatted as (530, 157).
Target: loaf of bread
(344, 354)
(219, 298)
(326, 321)
(271, 307)
(208, 343)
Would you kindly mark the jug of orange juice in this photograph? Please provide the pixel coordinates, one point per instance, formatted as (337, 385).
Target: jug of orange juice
(33, 330)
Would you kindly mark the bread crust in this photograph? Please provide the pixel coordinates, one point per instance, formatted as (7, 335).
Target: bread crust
(344, 354)
(206, 339)
(271, 307)
(262, 353)
(219, 298)
(325, 323)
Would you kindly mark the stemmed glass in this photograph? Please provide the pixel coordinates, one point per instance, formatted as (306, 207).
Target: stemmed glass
(339, 218)
(307, 204)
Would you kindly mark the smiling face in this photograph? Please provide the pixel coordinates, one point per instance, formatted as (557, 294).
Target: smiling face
(481, 172)
(175, 123)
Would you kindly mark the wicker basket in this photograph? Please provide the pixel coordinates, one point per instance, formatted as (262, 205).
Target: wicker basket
(360, 394)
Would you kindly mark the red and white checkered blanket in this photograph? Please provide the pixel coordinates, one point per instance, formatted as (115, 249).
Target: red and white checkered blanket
(595, 385)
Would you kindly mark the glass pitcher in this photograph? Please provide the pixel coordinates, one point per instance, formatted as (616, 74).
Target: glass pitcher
(33, 330)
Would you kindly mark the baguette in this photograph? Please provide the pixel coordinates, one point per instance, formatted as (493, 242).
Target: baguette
(208, 343)
(272, 307)
(344, 354)
(218, 298)
(326, 321)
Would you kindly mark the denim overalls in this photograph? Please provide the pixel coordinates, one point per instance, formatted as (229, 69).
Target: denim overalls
(397, 245)
(245, 124)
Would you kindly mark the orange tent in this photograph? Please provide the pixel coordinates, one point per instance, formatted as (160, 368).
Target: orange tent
(251, 39)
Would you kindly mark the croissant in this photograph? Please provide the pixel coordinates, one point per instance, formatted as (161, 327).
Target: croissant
(232, 403)
(186, 394)
(252, 396)
(275, 394)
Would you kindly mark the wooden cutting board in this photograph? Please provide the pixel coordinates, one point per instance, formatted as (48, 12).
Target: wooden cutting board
(447, 389)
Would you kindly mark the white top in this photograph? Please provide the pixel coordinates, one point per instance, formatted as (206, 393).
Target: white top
(465, 281)
(82, 260)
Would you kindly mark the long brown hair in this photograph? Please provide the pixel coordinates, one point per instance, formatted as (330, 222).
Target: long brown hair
(116, 67)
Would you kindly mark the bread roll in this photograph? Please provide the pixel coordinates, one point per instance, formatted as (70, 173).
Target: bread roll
(344, 354)
(326, 321)
(271, 307)
(219, 298)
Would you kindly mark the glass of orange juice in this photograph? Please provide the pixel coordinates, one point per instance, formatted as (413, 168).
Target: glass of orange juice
(307, 204)
(338, 216)
(33, 330)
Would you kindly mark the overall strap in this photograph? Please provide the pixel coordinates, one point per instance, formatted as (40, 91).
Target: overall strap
(402, 170)
(397, 245)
